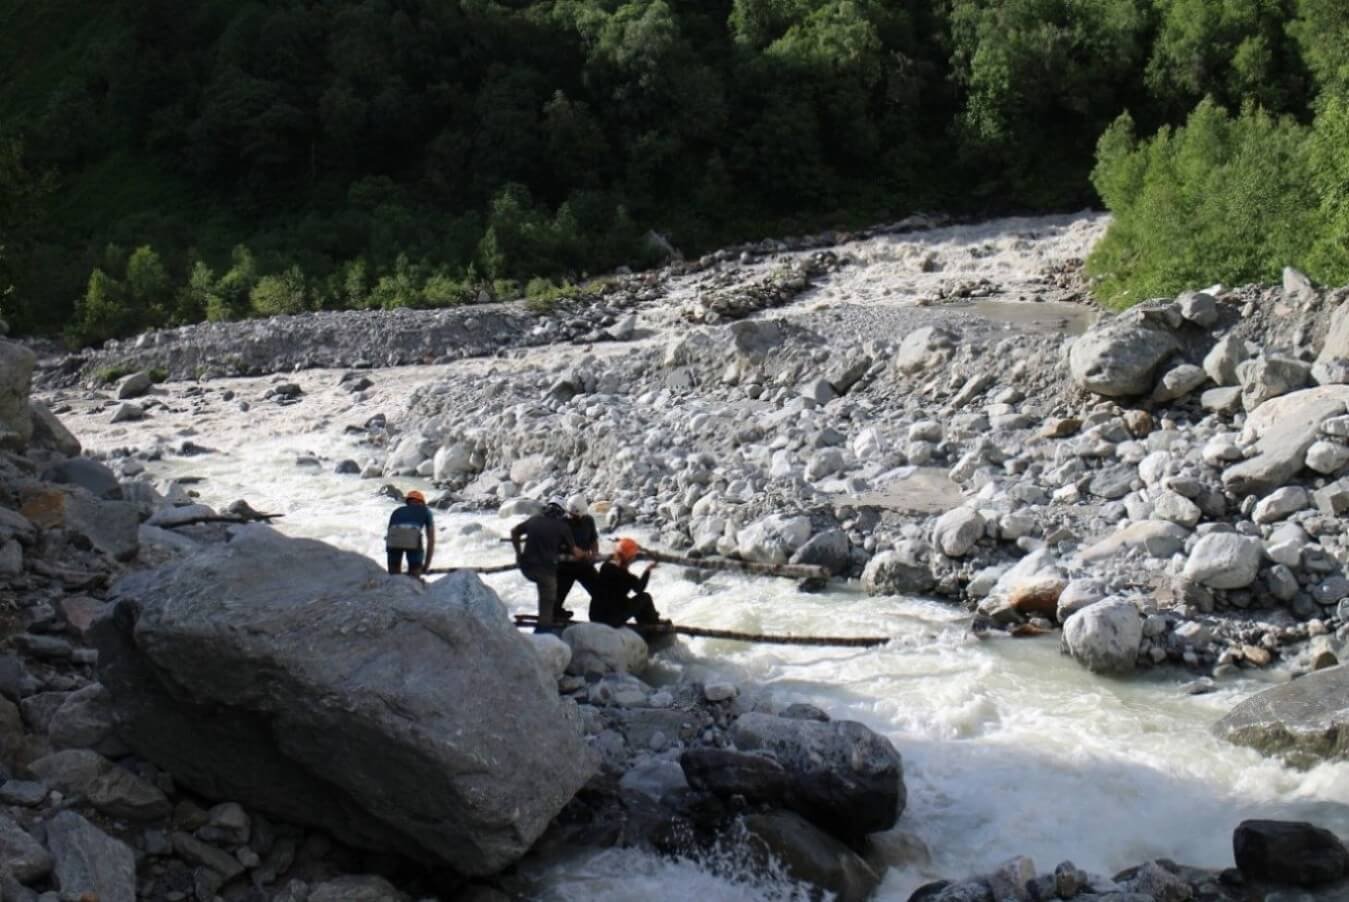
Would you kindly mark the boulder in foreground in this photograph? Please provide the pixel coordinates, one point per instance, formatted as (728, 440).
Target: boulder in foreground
(304, 681)
(1305, 721)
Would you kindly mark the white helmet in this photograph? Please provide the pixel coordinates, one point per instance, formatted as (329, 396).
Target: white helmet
(577, 506)
(555, 503)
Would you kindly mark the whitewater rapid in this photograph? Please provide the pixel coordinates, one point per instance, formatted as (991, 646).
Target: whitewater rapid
(1009, 748)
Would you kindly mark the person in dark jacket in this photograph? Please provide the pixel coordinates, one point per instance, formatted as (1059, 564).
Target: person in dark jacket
(404, 536)
(541, 542)
(580, 569)
(618, 596)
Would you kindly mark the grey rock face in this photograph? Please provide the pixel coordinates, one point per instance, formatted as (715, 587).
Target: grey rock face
(90, 861)
(1289, 852)
(1120, 357)
(1305, 721)
(812, 856)
(396, 717)
(16, 378)
(844, 777)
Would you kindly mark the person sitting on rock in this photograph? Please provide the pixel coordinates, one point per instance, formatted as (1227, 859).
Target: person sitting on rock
(404, 536)
(580, 569)
(546, 539)
(616, 595)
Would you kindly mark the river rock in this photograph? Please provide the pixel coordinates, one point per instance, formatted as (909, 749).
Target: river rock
(1289, 852)
(112, 527)
(451, 461)
(958, 531)
(85, 721)
(726, 772)
(1336, 344)
(1224, 560)
(811, 856)
(1305, 721)
(597, 648)
(845, 778)
(1119, 357)
(234, 676)
(921, 348)
(134, 386)
(16, 377)
(899, 572)
(1222, 361)
(828, 549)
(1281, 503)
(1283, 429)
(773, 539)
(1178, 382)
(1105, 637)
(553, 653)
(356, 888)
(88, 862)
(1264, 378)
(49, 432)
(20, 854)
(1076, 595)
(89, 475)
(1327, 458)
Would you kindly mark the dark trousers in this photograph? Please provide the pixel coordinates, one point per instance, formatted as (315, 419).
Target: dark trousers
(545, 581)
(569, 573)
(415, 559)
(617, 611)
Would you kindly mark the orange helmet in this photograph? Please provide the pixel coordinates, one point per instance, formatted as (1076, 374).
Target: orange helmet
(628, 549)
(416, 496)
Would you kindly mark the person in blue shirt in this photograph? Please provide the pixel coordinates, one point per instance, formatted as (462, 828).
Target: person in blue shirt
(404, 536)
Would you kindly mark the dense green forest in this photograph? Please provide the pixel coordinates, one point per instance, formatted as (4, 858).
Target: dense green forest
(164, 161)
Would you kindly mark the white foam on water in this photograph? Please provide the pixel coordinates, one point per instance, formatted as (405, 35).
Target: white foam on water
(1009, 747)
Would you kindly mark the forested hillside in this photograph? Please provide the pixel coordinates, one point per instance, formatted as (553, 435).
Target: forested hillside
(167, 160)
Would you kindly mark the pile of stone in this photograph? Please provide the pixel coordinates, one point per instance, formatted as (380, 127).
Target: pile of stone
(689, 767)
(1273, 859)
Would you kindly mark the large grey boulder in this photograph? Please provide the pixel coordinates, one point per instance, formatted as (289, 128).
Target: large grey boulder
(1305, 721)
(1288, 853)
(16, 383)
(1283, 429)
(134, 386)
(809, 855)
(958, 531)
(89, 862)
(1105, 637)
(20, 854)
(843, 777)
(828, 549)
(598, 648)
(1119, 358)
(1264, 378)
(305, 682)
(901, 571)
(1224, 560)
(49, 432)
(773, 539)
(90, 475)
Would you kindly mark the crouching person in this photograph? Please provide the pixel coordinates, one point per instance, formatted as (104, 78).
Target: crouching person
(618, 595)
(404, 536)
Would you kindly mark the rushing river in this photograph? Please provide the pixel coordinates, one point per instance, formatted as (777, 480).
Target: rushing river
(1009, 748)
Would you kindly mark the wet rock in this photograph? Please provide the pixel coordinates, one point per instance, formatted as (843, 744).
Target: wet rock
(898, 572)
(1105, 637)
(1289, 853)
(596, 648)
(725, 772)
(1305, 721)
(844, 777)
(445, 657)
(89, 861)
(811, 856)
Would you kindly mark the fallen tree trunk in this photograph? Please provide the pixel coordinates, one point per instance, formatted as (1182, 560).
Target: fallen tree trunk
(735, 636)
(493, 568)
(729, 565)
(216, 518)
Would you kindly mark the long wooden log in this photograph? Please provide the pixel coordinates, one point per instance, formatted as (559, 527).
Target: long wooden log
(493, 568)
(215, 518)
(760, 638)
(786, 571)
